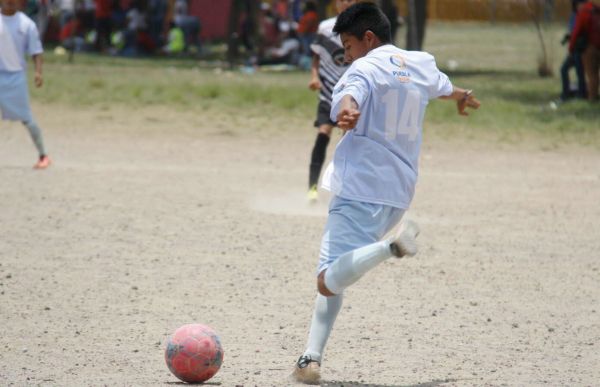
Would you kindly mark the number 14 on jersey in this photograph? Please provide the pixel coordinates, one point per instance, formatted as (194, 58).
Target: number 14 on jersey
(402, 120)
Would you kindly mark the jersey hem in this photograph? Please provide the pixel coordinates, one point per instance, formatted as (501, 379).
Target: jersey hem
(403, 206)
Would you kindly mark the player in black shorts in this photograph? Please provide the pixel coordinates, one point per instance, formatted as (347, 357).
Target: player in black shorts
(327, 68)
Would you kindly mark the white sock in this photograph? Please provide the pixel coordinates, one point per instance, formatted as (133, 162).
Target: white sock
(326, 310)
(349, 267)
(36, 136)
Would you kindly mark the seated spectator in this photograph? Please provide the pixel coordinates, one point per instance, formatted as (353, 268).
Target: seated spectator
(190, 25)
(137, 39)
(70, 36)
(287, 52)
(175, 41)
(268, 29)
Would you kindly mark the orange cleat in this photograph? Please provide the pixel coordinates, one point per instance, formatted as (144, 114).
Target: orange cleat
(43, 162)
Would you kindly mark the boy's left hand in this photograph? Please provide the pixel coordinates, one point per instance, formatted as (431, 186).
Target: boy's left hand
(39, 79)
(467, 101)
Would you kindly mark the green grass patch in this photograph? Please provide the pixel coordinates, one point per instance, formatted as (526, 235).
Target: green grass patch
(498, 61)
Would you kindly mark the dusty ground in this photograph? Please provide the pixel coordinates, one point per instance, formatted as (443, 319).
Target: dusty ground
(152, 219)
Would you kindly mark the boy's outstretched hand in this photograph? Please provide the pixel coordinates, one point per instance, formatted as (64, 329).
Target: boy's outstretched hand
(349, 114)
(39, 79)
(347, 118)
(464, 99)
(38, 61)
(468, 100)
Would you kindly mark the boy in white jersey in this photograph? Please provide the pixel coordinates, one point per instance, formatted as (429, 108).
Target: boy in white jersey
(19, 37)
(328, 65)
(380, 102)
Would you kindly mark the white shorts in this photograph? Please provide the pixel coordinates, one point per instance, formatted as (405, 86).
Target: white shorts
(351, 225)
(14, 96)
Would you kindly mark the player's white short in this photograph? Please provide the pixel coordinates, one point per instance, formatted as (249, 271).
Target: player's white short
(351, 225)
(14, 96)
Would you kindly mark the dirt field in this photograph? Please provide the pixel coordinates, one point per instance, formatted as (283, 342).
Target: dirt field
(150, 219)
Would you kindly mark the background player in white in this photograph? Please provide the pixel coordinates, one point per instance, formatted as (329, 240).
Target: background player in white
(380, 101)
(328, 65)
(19, 37)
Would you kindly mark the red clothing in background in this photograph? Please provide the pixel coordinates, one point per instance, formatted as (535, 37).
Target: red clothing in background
(309, 23)
(103, 9)
(583, 26)
(68, 30)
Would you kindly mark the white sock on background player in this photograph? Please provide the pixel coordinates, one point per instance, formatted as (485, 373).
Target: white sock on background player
(36, 136)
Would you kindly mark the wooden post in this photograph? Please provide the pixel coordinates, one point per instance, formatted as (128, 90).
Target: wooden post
(493, 7)
(232, 33)
(417, 18)
(322, 8)
(411, 27)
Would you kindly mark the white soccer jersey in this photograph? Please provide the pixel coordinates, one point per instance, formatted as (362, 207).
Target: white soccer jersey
(18, 37)
(377, 162)
(328, 46)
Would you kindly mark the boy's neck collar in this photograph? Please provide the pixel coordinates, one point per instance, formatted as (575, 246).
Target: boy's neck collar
(378, 47)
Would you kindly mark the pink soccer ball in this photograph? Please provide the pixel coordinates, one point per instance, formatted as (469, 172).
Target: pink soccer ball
(194, 353)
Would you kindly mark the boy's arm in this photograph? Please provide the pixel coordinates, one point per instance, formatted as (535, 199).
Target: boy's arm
(38, 62)
(348, 114)
(464, 98)
(315, 83)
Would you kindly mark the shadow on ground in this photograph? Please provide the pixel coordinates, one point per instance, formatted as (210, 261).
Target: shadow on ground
(432, 383)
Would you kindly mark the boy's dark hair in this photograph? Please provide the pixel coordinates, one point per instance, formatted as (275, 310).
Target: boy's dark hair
(363, 17)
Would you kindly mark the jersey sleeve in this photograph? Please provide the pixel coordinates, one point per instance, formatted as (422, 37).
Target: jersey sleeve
(317, 46)
(355, 82)
(34, 45)
(440, 84)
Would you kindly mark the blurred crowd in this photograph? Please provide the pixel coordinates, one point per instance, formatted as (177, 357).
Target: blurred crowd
(120, 27)
(286, 29)
(286, 32)
(278, 32)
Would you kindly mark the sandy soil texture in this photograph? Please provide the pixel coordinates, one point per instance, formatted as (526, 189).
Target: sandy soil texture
(150, 219)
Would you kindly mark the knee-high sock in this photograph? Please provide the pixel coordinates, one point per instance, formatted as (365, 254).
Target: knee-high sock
(36, 136)
(349, 267)
(317, 158)
(326, 310)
